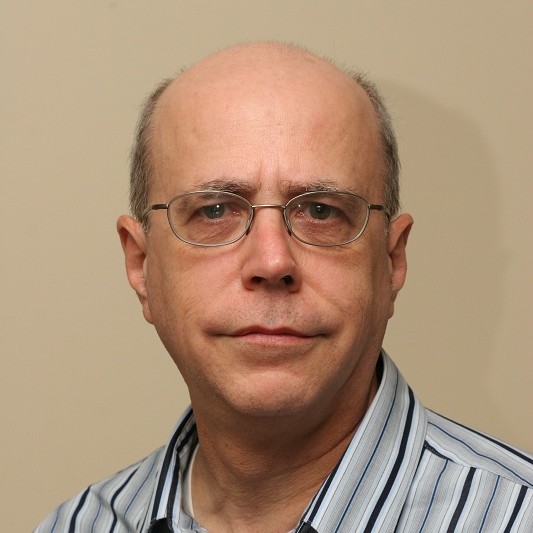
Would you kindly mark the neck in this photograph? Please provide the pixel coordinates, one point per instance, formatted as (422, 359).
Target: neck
(260, 474)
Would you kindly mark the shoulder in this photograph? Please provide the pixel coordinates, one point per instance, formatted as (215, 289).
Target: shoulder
(469, 448)
(468, 481)
(122, 499)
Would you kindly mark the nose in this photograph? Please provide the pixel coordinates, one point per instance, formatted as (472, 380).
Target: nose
(268, 255)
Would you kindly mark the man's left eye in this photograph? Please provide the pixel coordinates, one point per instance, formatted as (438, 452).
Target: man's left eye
(319, 211)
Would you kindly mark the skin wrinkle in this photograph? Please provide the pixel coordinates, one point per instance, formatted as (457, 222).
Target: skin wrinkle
(267, 408)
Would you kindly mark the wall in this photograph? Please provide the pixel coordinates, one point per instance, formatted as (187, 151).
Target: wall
(86, 387)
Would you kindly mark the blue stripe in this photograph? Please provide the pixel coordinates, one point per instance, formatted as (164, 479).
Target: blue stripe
(480, 454)
(79, 507)
(99, 510)
(176, 474)
(462, 500)
(97, 515)
(397, 464)
(489, 504)
(433, 494)
(319, 497)
(56, 519)
(166, 464)
(371, 457)
(115, 496)
(516, 509)
(141, 486)
(499, 443)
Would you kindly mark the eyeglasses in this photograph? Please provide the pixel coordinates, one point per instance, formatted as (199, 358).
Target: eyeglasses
(217, 218)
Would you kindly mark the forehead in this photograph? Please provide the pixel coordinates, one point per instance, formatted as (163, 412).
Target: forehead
(263, 116)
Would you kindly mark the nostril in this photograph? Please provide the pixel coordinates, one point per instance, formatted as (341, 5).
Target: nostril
(287, 280)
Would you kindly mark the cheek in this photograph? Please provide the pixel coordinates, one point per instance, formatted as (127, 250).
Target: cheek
(167, 294)
(180, 290)
(356, 285)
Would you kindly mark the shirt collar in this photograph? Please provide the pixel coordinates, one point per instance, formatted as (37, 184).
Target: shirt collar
(166, 499)
(368, 486)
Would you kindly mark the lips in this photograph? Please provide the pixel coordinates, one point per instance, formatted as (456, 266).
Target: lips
(275, 332)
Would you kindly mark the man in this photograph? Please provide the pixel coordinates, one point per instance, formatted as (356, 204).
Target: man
(267, 251)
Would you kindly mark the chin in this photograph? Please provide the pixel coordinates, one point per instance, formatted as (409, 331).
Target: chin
(273, 396)
(271, 407)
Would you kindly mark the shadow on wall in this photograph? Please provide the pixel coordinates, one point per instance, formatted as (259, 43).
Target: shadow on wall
(452, 305)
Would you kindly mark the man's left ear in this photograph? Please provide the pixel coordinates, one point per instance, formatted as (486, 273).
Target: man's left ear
(396, 244)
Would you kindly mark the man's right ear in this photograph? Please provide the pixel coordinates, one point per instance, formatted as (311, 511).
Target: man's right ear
(133, 240)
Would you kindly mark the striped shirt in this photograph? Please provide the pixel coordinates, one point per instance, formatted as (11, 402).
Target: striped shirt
(406, 469)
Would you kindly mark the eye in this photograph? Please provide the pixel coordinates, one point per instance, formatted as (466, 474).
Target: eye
(213, 211)
(319, 211)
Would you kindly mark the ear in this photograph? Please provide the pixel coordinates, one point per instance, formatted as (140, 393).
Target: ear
(396, 245)
(133, 240)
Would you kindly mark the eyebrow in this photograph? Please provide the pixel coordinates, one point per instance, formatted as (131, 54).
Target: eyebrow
(245, 188)
(234, 185)
(314, 186)
(321, 185)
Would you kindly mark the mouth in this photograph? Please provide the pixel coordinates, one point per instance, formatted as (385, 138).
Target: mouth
(278, 336)
(261, 330)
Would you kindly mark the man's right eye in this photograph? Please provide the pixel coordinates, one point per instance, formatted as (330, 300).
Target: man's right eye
(213, 211)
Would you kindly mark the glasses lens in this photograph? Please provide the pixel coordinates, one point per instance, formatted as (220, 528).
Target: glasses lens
(327, 218)
(209, 217)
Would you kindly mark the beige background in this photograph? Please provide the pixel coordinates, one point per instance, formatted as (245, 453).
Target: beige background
(86, 387)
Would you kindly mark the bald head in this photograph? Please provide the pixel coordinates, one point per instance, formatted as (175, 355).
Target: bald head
(260, 82)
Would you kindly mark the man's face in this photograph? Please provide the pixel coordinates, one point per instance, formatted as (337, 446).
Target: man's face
(268, 325)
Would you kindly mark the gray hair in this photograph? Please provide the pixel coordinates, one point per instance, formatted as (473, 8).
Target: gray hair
(141, 157)
(389, 144)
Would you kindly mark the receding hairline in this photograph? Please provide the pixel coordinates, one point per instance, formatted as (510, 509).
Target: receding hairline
(142, 166)
(234, 56)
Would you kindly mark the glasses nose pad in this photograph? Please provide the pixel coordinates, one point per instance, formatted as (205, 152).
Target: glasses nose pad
(249, 222)
(287, 224)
